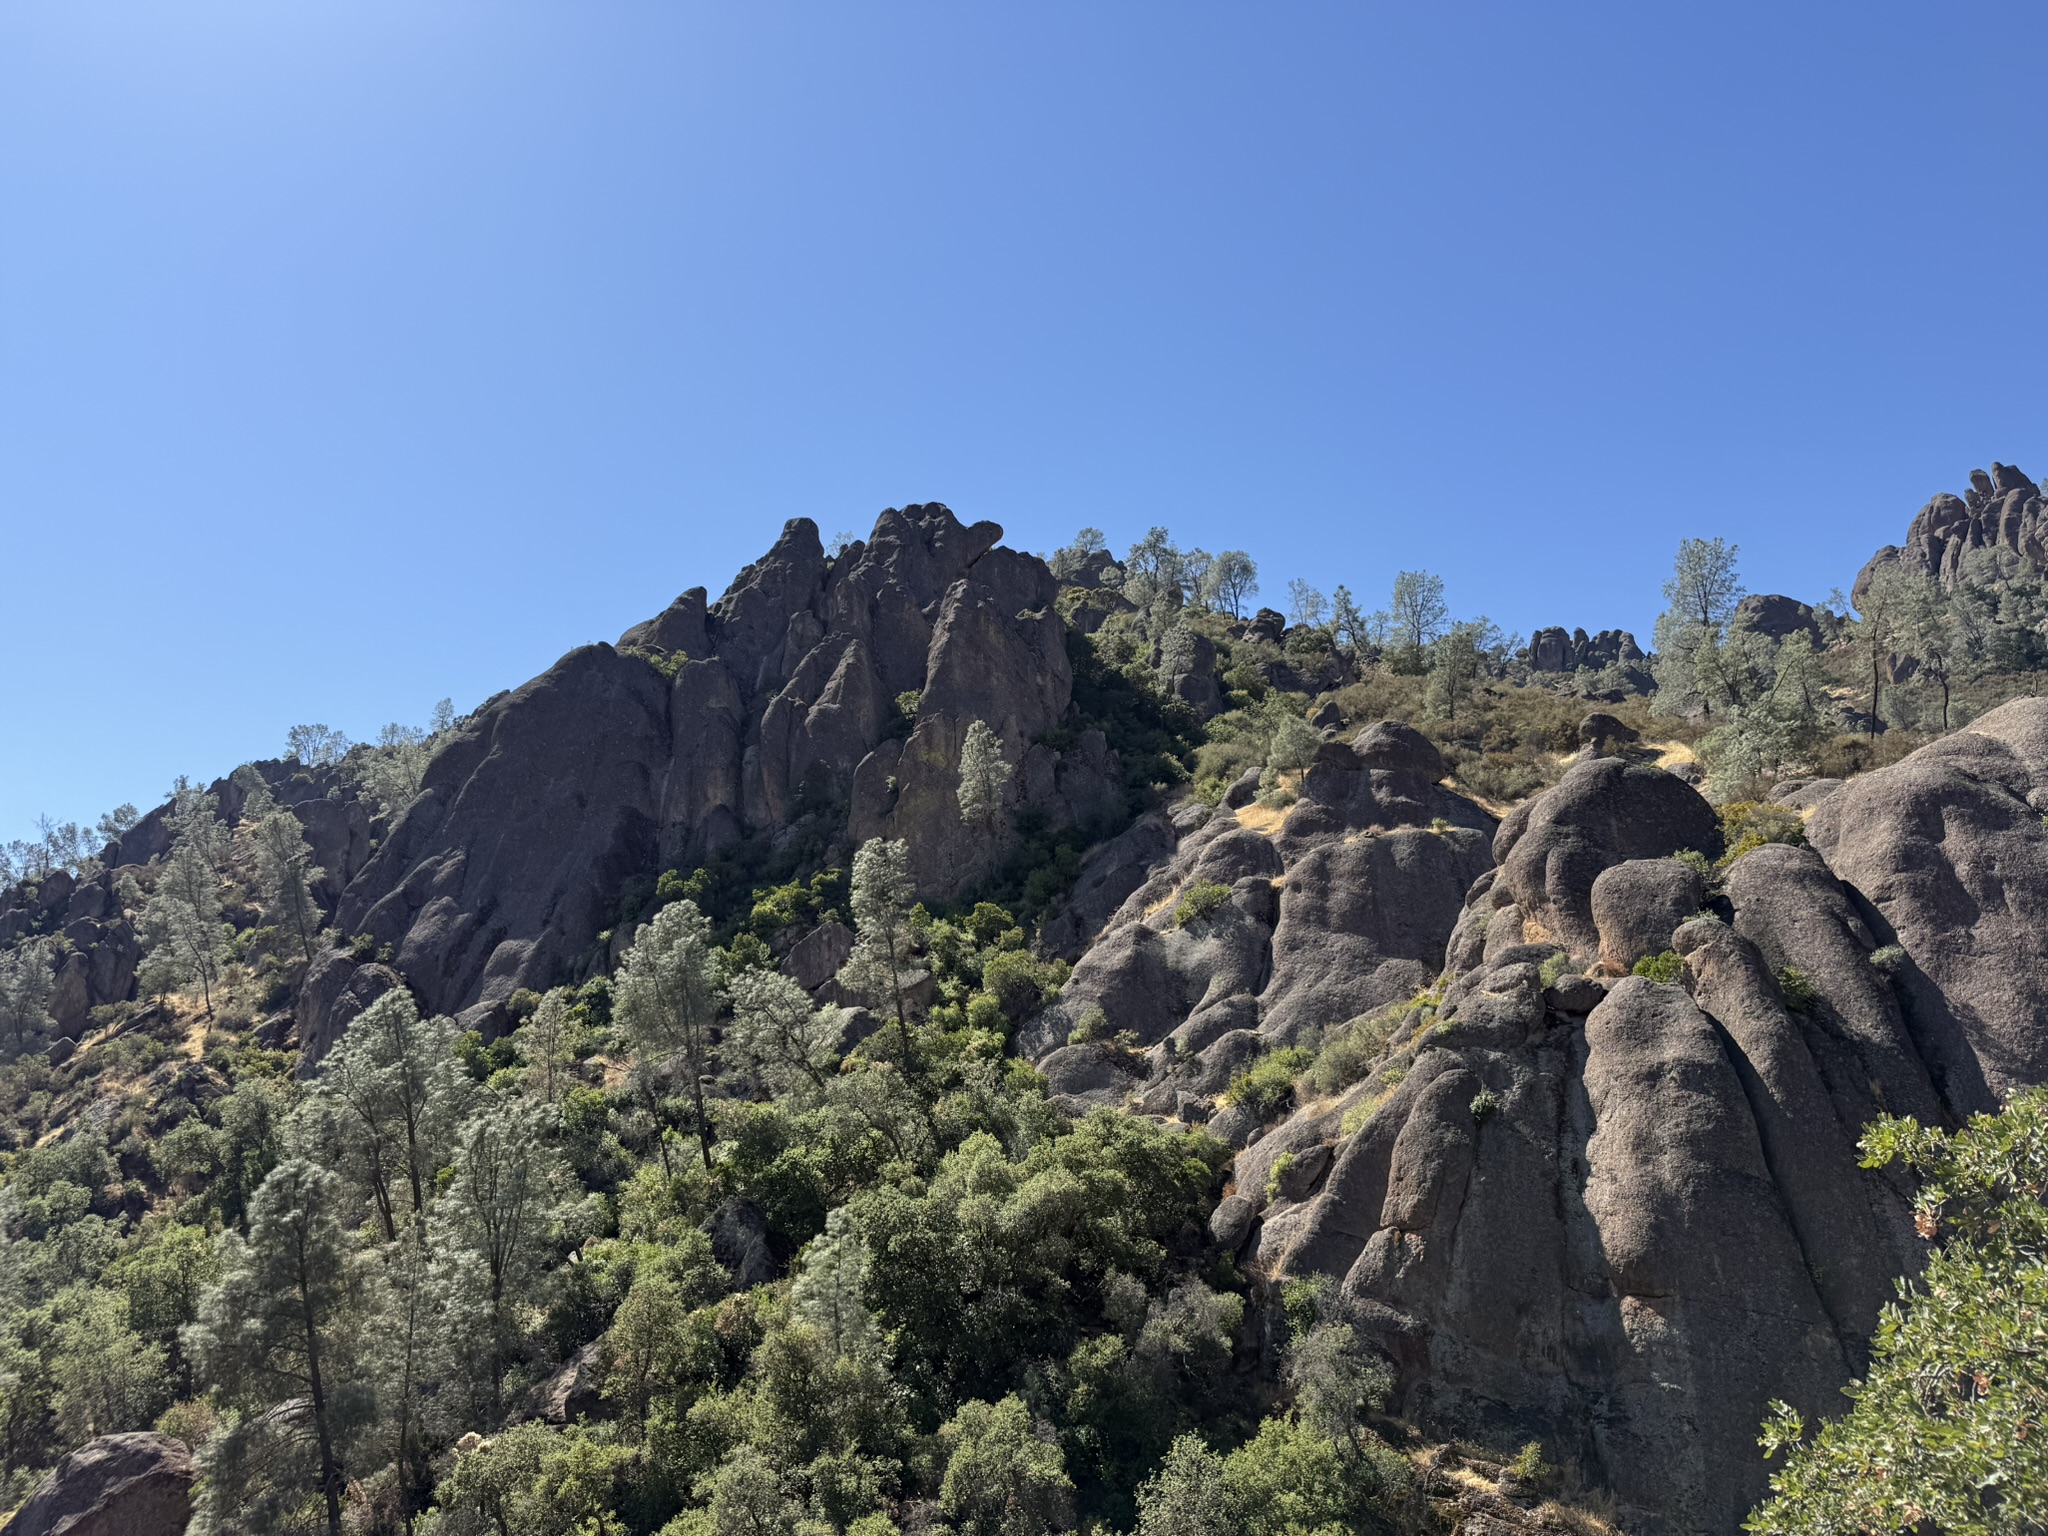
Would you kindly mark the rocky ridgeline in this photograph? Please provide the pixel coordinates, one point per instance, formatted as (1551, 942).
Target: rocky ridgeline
(2002, 510)
(770, 714)
(1612, 1213)
(101, 949)
(1616, 1213)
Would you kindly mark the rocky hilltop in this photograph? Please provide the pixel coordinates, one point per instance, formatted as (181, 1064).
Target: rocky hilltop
(2002, 513)
(1561, 1097)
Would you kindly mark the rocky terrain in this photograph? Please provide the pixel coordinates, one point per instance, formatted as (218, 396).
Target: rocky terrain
(1565, 1101)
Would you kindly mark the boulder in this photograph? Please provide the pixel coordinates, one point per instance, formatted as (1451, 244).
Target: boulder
(817, 956)
(1637, 904)
(1777, 616)
(118, 1485)
(1601, 734)
(1603, 812)
(337, 988)
(1948, 850)
(574, 1391)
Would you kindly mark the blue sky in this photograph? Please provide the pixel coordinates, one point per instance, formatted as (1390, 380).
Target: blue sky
(354, 355)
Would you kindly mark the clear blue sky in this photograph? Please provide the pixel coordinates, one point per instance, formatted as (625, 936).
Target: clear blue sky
(357, 354)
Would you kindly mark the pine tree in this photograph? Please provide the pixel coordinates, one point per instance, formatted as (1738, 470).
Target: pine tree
(509, 1196)
(284, 862)
(27, 983)
(183, 938)
(785, 1036)
(667, 996)
(276, 1338)
(984, 776)
(883, 967)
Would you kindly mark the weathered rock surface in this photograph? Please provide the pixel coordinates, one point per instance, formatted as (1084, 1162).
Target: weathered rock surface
(1621, 1216)
(783, 717)
(2002, 512)
(118, 1485)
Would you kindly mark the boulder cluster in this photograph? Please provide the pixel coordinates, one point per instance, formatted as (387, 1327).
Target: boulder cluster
(1622, 1212)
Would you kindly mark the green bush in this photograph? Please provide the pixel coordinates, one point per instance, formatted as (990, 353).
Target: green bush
(1889, 958)
(1199, 901)
(1485, 1105)
(1695, 861)
(1665, 968)
(1796, 989)
(1267, 1086)
(1747, 825)
(1553, 970)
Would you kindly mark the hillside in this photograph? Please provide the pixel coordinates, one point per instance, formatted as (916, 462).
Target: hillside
(940, 1038)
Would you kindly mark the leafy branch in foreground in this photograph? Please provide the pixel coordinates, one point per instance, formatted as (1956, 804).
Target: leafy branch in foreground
(1948, 1430)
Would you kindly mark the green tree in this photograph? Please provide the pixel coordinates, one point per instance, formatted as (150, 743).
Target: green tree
(505, 1204)
(1003, 1478)
(1190, 1495)
(317, 746)
(1417, 612)
(1457, 660)
(388, 1097)
(108, 1378)
(184, 940)
(1233, 581)
(545, 1043)
(1945, 1431)
(786, 1037)
(667, 997)
(277, 1327)
(28, 982)
(1305, 605)
(883, 966)
(284, 862)
(984, 776)
(1691, 633)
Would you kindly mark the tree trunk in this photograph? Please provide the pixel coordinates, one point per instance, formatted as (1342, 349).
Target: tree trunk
(330, 1470)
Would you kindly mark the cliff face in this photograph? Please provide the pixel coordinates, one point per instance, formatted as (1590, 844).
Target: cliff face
(771, 713)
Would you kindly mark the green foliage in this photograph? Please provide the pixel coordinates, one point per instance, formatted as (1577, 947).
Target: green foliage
(1889, 958)
(1747, 825)
(1485, 1105)
(1002, 1478)
(1663, 969)
(1267, 1086)
(1001, 1261)
(1554, 969)
(1796, 989)
(1199, 901)
(1695, 861)
(1944, 1433)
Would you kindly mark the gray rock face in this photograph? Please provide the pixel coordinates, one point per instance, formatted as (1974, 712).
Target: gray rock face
(1622, 1217)
(118, 1485)
(1777, 616)
(1948, 851)
(337, 988)
(553, 797)
(1602, 812)
(1560, 650)
(2002, 511)
(1637, 904)
(1343, 908)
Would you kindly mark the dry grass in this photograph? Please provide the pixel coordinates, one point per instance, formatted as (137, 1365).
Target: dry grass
(1267, 820)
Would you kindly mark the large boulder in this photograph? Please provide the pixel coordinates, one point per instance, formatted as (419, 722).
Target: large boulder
(1603, 812)
(337, 988)
(118, 1485)
(1948, 855)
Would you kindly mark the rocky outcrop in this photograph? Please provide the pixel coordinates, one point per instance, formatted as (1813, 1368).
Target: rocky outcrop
(1560, 650)
(1777, 616)
(2002, 511)
(118, 1485)
(1340, 909)
(770, 714)
(1621, 1216)
(1948, 856)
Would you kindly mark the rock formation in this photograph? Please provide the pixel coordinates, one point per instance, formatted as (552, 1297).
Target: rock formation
(118, 1485)
(1622, 1215)
(2002, 511)
(774, 712)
